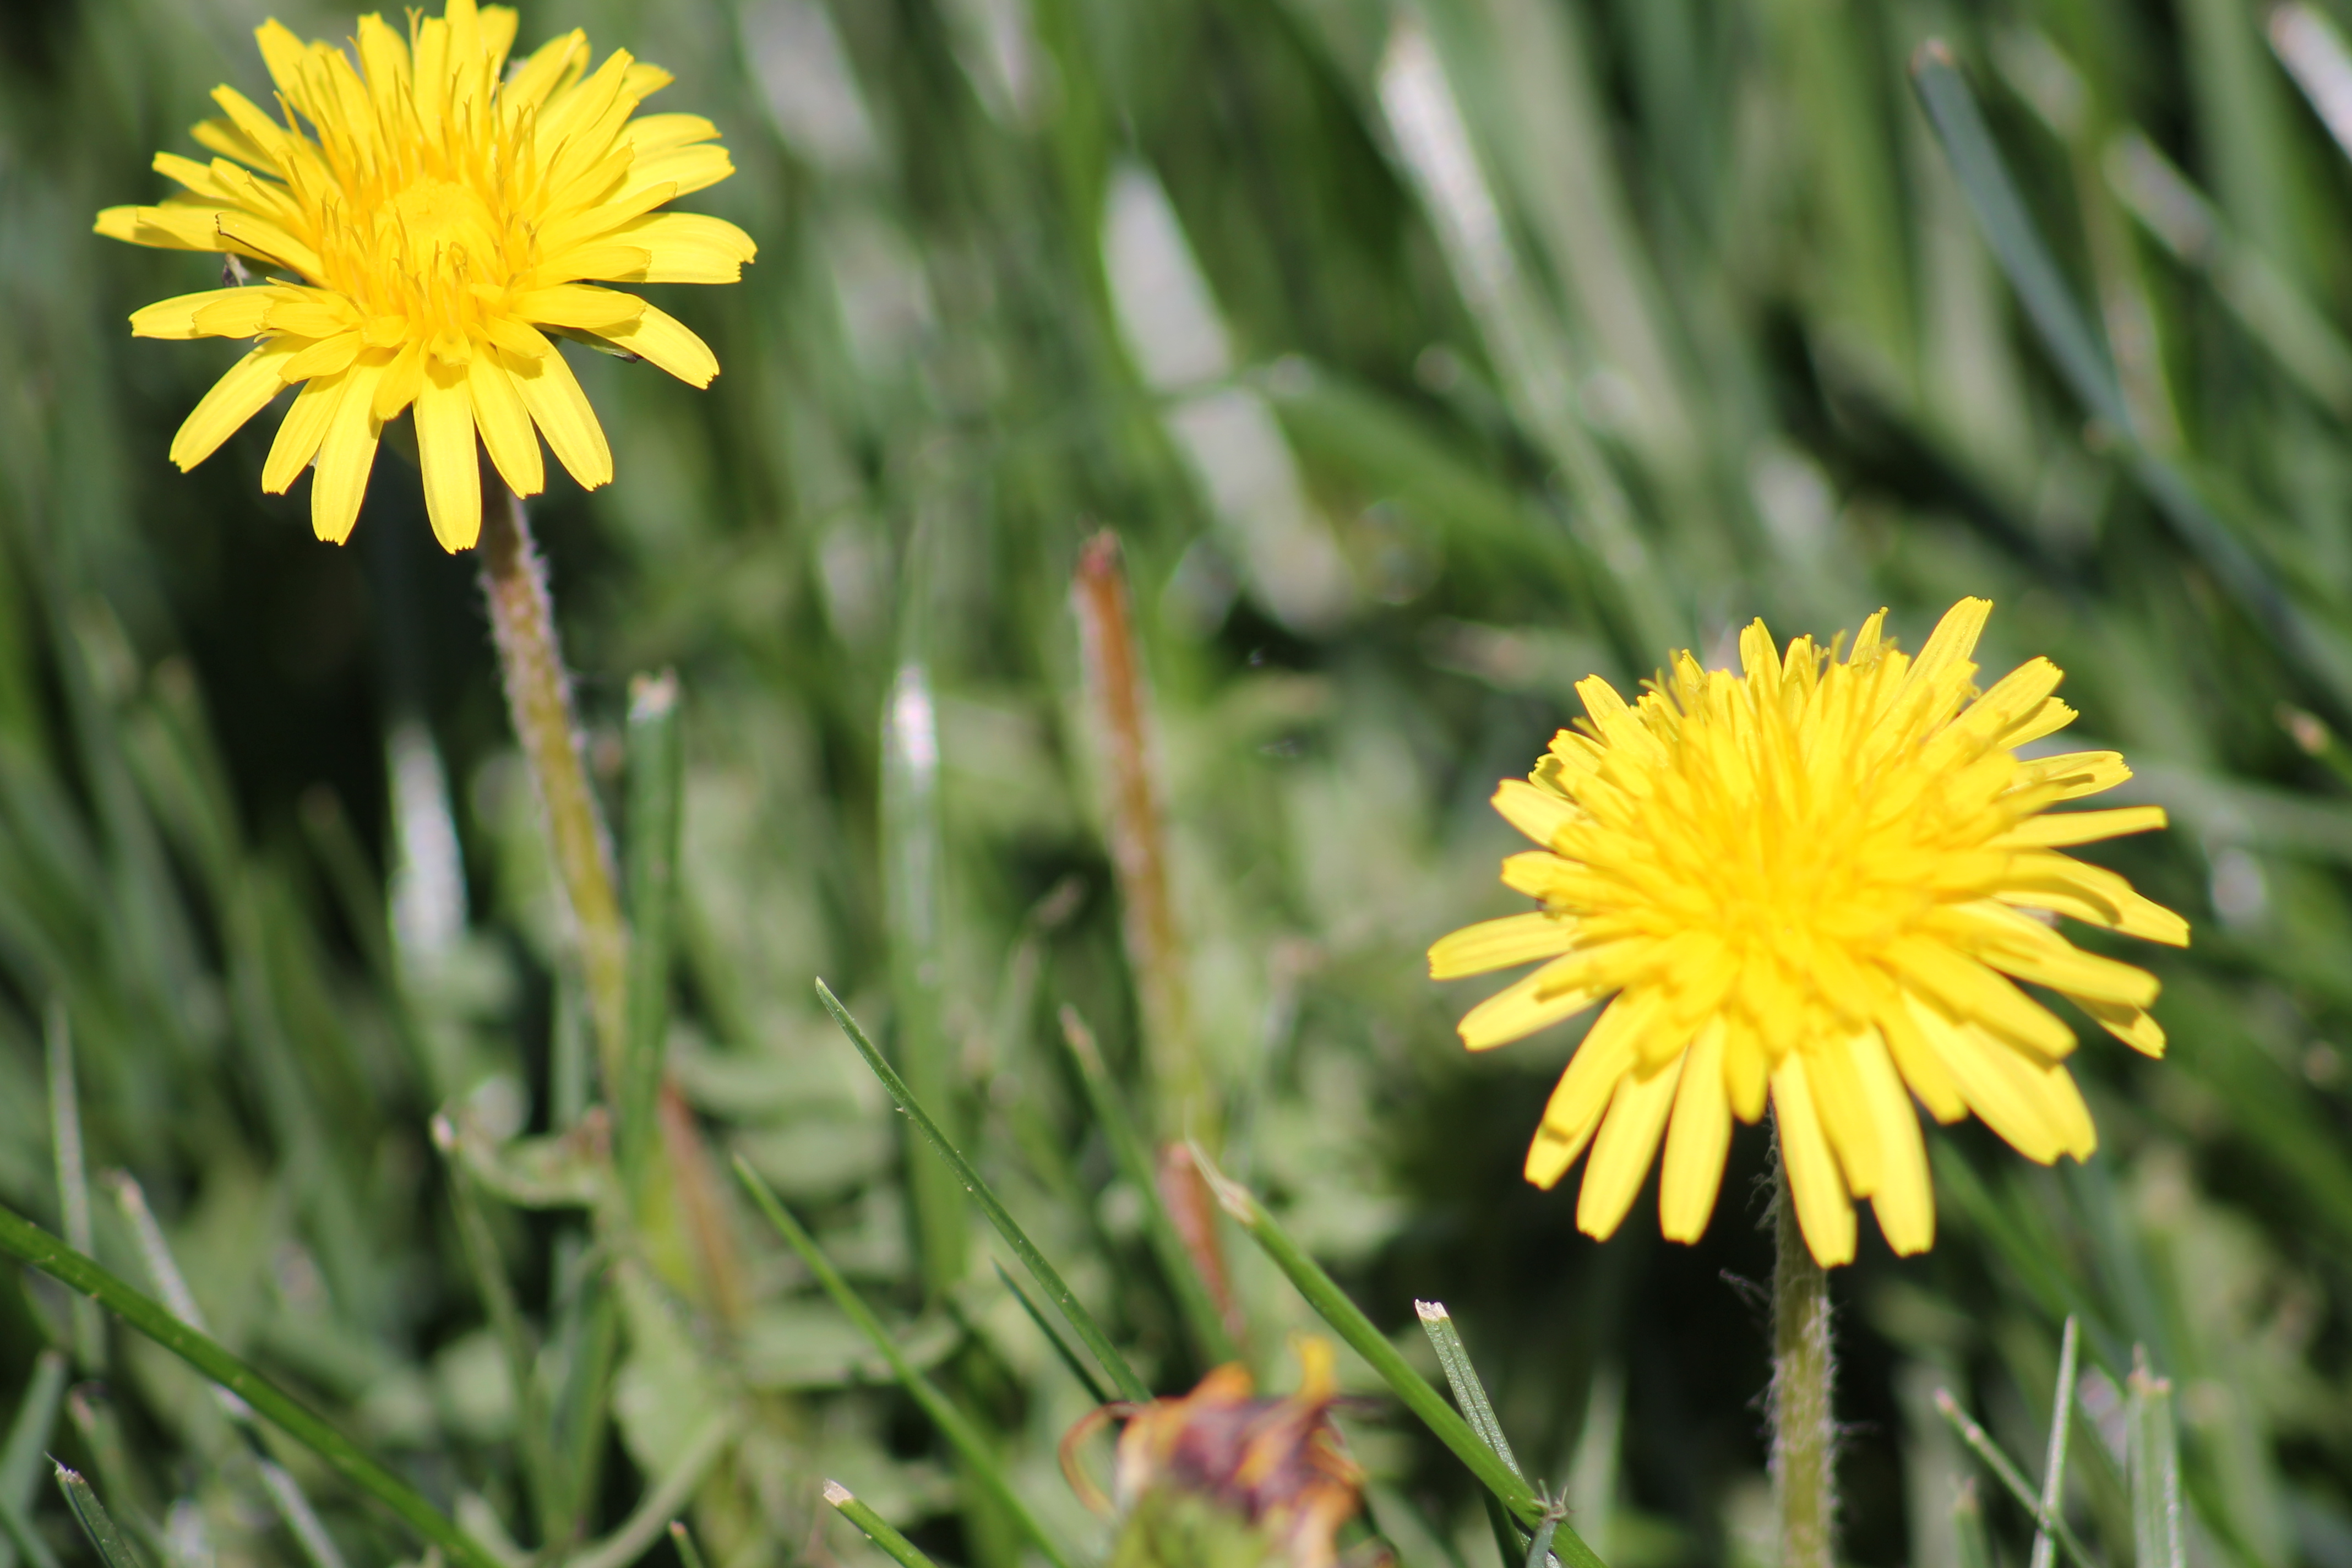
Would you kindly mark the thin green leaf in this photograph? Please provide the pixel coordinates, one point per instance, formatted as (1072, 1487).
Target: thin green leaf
(2006, 1472)
(1469, 1392)
(29, 1244)
(95, 1521)
(952, 1423)
(1073, 1310)
(2153, 1452)
(1133, 1157)
(301, 1520)
(681, 1541)
(914, 848)
(657, 1509)
(1062, 1351)
(1332, 1304)
(17, 1537)
(1971, 1546)
(489, 1269)
(656, 765)
(2081, 359)
(2062, 1422)
(73, 1179)
(877, 1529)
(20, 1461)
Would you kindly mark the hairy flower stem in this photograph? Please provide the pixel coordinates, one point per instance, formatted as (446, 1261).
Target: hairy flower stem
(1804, 1439)
(539, 700)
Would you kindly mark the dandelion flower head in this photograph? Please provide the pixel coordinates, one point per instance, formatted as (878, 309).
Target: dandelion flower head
(1816, 882)
(424, 217)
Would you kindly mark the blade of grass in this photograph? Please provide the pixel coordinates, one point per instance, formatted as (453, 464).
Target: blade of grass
(1064, 1299)
(1468, 1392)
(301, 1520)
(99, 1424)
(2153, 1447)
(28, 1433)
(17, 1538)
(953, 1424)
(1332, 1304)
(1062, 1351)
(20, 1458)
(1133, 1158)
(2083, 361)
(2006, 1472)
(29, 1244)
(2061, 1421)
(659, 1506)
(95, 1521)
(656, 761)
(482, 1260)
(905, 1552)
(681, 1541)
(913, 848)
(73, 1180)
(1970, 1546)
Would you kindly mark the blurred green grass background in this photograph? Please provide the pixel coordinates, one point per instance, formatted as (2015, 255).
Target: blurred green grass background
(1426, 357)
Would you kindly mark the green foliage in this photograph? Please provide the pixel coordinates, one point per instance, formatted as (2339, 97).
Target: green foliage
(1426, 358)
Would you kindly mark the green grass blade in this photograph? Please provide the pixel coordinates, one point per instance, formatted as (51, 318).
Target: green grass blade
(2006, 1472)
(20, 1459)
(2062, 1422)
(1469, 1392)
(914, 851)
(656, 776)
(301, 1520)
(953, 1424)
(2153, 1453)
(1062, 1351)
(1133, 1157)
(28, 1434)
(17, 1539)
(95, 1521)
(1064, 1299)
(2074, 344)
(2083, 361)
(73, 1179)
(657, 1509)
(903, 1551)
(29, 1244)
(1332, 1304)
(681, 1541)
(1971, 1548)
(489, 1269)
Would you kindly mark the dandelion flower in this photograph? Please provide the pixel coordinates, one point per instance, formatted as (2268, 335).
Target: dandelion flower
(438, 215)
(1817, 881)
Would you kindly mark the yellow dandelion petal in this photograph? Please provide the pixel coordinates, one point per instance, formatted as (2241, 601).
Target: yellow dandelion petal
(425, 219)
(1824, 1212)
(1627, 1143)
(1819, 884)
(1697, 1140)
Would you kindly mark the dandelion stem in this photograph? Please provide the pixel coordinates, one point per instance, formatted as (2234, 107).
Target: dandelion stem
(1804, 1439)
(539, 699)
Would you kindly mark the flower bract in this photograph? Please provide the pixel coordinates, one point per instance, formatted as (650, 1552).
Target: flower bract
(1816, 882)
(423, 216)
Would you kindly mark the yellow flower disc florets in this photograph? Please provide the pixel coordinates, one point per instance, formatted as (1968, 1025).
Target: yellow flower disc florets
(1816, 880)
(437, 213)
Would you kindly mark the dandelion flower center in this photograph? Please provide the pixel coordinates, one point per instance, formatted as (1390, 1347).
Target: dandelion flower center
(1815, 883)
(424, 217)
